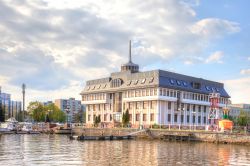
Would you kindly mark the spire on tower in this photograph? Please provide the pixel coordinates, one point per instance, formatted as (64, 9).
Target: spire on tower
(130, 59)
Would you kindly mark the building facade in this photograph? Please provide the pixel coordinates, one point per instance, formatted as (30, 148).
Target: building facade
(10, 108)
(151, 97)
(236, 108)
(70, 107)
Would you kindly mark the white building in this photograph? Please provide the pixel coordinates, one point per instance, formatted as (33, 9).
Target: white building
(152, 97)
(236, 108)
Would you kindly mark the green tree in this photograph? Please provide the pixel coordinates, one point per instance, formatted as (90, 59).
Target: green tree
(125, 118)
(54, 113)
(242, 119)
(84, 117)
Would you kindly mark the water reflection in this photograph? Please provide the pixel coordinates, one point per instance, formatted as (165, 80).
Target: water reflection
(59, 150)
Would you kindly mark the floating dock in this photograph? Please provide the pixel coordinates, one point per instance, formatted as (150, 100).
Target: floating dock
(96, 138)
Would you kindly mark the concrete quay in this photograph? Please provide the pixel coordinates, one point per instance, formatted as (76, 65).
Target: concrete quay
(163, 134)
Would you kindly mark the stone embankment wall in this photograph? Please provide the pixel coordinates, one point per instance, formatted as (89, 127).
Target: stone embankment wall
(159, 134)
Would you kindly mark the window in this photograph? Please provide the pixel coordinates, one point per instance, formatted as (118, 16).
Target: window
(199, 108)
(188, 107)
(182, 118)
(199, 119)
(175, 117)
(137, 117)
(169, 117)
(187, 118)
(205, 109)
(145, 105)
(89, 116)
(196, 85)
(204, 119)
(144, 117)
(105, 117)
(193, 108)
(153, 104)
(130, 105)
(151, 117)
(130, 117)
(193, 119)
(137, 105)
(169, 105)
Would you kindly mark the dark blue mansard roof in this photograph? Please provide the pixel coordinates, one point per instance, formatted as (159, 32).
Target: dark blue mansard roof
(187, 83)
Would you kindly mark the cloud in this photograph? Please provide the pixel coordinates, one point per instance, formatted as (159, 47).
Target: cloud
(245, 71)
(215, 57)
(238, 89)
(248, 58)
(214, 27)
(50, 44)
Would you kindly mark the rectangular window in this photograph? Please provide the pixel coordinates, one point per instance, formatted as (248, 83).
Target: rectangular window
(199, 119)
(89, 116)
(204, 119)
(151, 117)
(130, 117)
(105, 117)
(193, 119)
(145, 105)
(153, 106)
(199, 108)
(130, 105)
(137, 105)
(137, 117)
(175, 117)
(144, 117)
(205, 109)
(169, 117)
(169, 105)
(188, 107)
(193, 108)
(182, 118)
(187, 118)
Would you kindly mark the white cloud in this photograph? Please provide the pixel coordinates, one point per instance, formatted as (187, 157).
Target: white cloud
(248, 58)
(67, 41)
(245, 71)
(214, 27)
(215, 57)
(238, 89)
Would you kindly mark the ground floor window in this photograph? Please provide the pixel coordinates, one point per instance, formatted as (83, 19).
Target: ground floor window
(187, 118)
(199, 119)
(169, 117)
(175, 117)
(144, 117)
(151, 117)
(137, 117)
(89, 116)
(204, 119)
(130, 117)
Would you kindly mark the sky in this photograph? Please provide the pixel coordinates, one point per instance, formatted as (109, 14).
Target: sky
(54, 46)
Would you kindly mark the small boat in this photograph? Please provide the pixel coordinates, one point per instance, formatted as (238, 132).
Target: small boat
(27, 129)
(9, 126)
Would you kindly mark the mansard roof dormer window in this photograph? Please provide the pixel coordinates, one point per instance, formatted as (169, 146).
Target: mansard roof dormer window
(130, 66)
(116, 83)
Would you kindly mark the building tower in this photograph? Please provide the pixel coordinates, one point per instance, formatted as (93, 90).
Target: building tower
(23, 91)
(130, 66)
(1, 108)
(214, 107)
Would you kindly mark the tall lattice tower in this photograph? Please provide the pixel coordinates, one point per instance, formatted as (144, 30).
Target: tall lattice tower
(214, 99)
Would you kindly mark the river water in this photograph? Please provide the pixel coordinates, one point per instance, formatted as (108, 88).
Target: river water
(59, 150)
